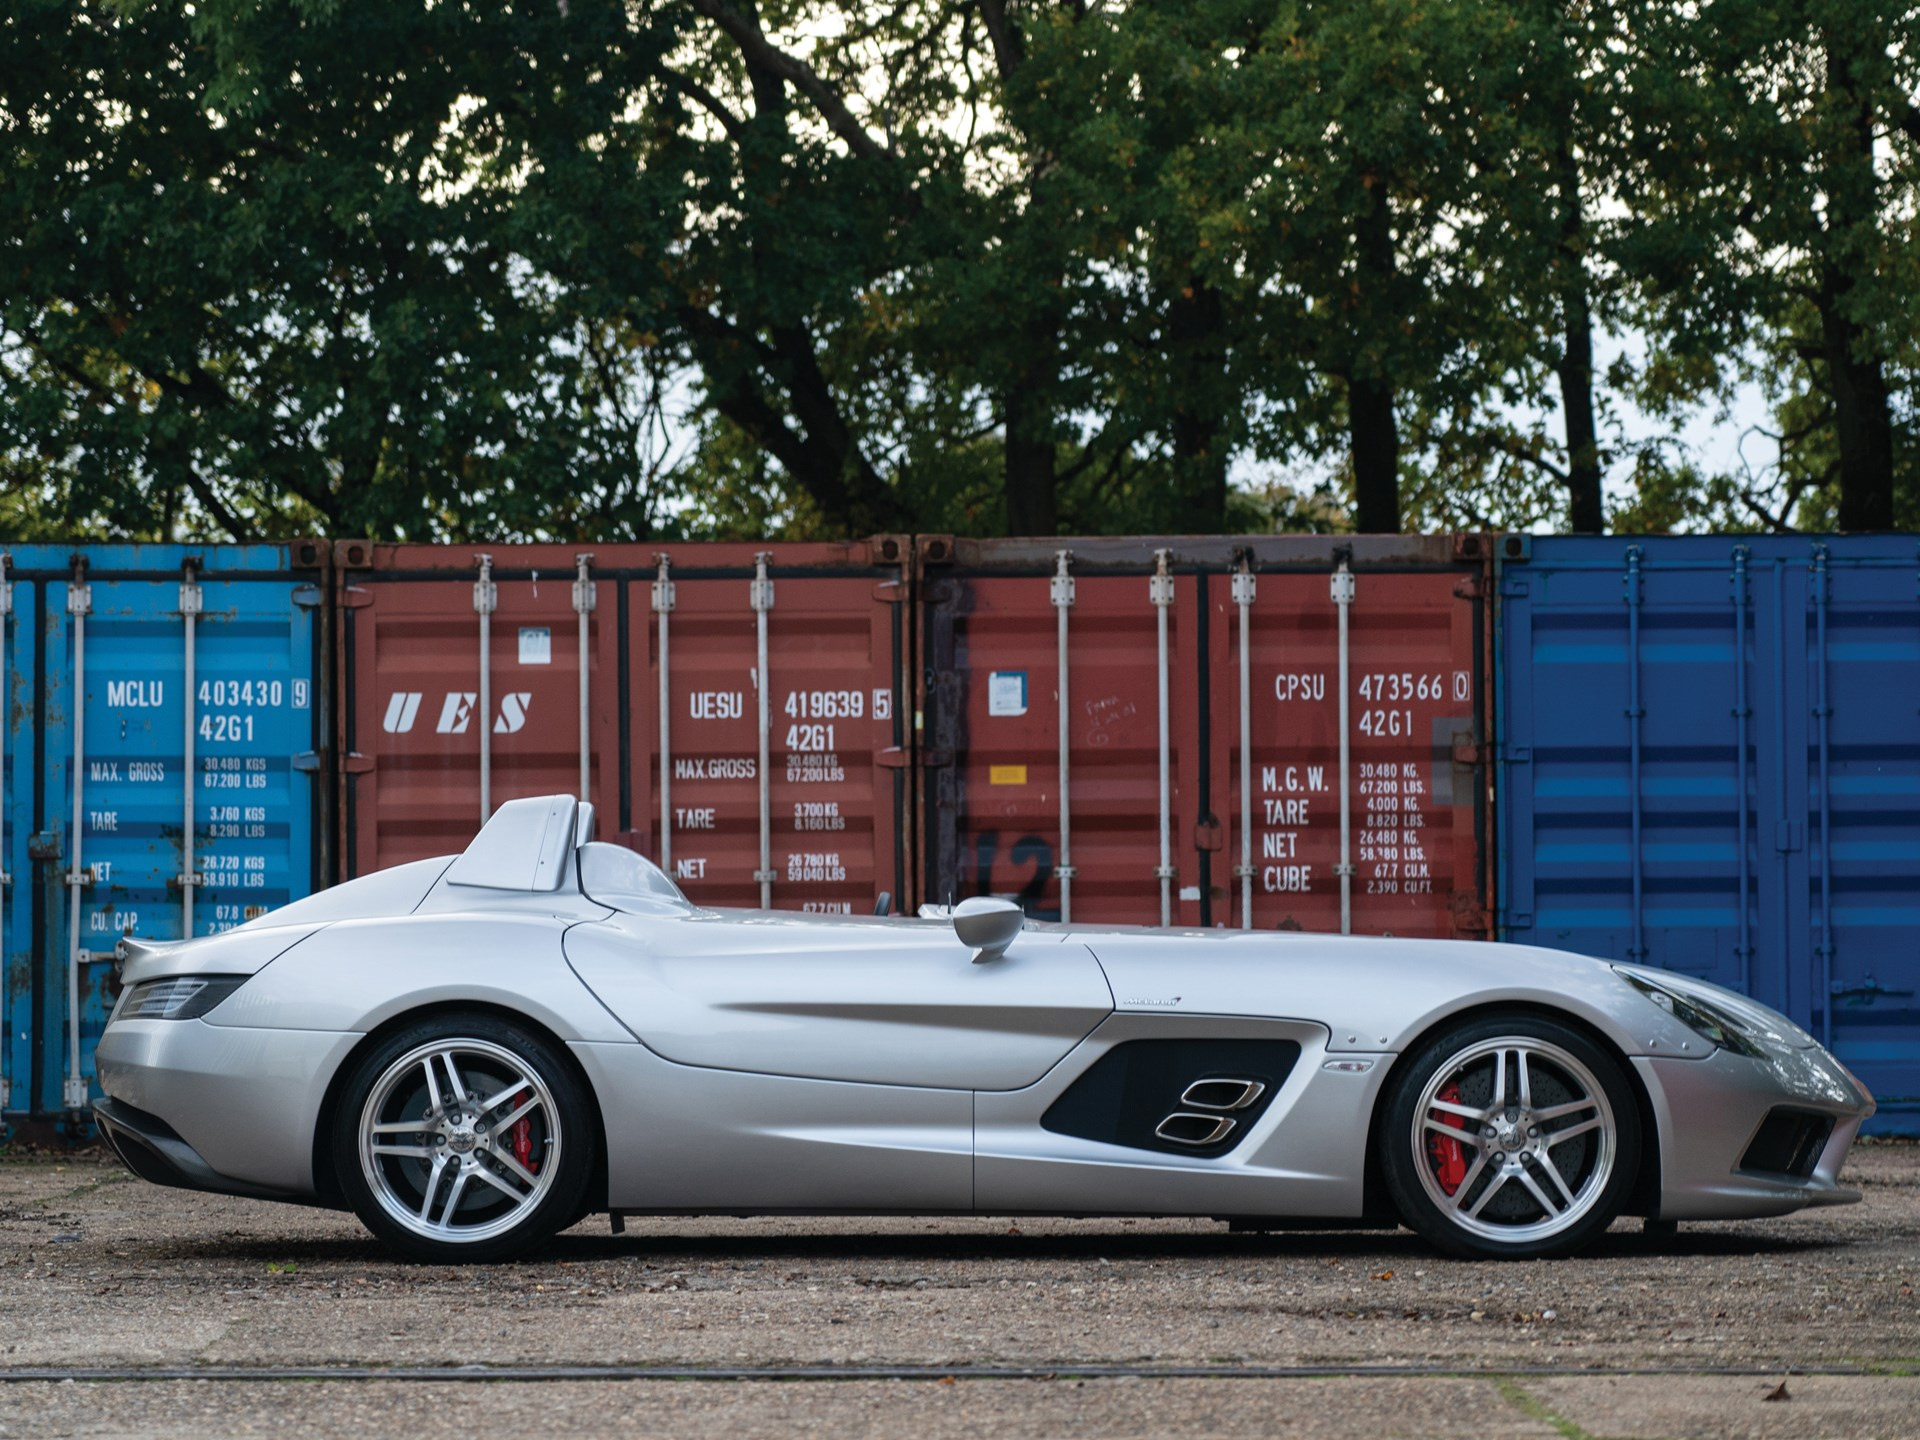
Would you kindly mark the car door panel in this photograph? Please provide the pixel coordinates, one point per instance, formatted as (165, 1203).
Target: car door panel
(875, 1003)
(699, 1140)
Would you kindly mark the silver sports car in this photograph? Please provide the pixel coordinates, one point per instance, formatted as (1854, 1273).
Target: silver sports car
(473, 1053)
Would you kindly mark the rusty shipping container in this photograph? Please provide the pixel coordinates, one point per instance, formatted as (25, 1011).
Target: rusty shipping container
(1264, 731)
(632, 674)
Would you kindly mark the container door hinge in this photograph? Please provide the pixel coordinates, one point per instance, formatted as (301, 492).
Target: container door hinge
(890, 592)
(356, 764)
(308, 761)
(1468, 751)
(44, 845)
(1517, 755)
(1514, 589)
(309, 597)
(1468, 588)
(894, 757)
(355, 597)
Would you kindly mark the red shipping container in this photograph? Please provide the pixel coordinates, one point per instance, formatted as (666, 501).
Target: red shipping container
(1196, 839)
(802, 810)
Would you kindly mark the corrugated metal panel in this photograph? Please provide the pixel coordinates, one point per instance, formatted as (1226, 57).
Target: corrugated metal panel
(994, 744)
(428, 755)
(119, 725)
(1711, 755)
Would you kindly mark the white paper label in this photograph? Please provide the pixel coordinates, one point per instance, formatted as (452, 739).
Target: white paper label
(536, 645)
(1007, 692)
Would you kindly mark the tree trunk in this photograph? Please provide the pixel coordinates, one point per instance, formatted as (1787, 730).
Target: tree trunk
(1584, 513)
(1370, 422)
(1376, 457)
(1196, 324)
(1031, 485)
(1863, 417)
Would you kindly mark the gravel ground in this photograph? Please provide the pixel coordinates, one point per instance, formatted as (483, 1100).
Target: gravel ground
(1426, 1409)
(99, 1269)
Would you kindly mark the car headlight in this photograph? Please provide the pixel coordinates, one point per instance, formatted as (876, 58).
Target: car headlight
(179, 997)
(1698, 1015)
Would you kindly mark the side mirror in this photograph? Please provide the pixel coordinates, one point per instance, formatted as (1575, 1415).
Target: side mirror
(987, 927)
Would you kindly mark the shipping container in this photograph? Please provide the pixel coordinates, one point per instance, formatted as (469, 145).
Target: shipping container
(1266, 731)
(164, 772)
(1710, 757)
(632, 675)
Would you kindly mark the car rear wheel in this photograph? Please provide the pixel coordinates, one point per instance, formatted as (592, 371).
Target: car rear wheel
(1510, 1137)
(464, 1138)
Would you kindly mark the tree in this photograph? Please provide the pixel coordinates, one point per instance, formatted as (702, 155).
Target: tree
(255, 282)
(1774, 150)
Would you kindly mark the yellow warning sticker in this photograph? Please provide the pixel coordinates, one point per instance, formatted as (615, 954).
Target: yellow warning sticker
(1006, 774)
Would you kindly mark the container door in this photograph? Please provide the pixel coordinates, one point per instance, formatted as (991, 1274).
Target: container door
(1711, 764)
(1412, 777)
(1631, 743)
(1258, 844)
(991, 743)
(821, 791)
(435, 741)
(440, 727)
(175, 700)
(1863, 678)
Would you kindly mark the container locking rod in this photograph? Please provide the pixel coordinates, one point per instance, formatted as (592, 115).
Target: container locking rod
(1161, 592)
(762, 600)
(1060, 588)
(663, 607)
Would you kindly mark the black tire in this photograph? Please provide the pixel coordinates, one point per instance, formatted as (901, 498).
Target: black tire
(1541, 1173)
(464, 1138)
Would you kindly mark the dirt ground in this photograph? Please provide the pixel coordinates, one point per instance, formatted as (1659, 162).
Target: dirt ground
(98, 1269)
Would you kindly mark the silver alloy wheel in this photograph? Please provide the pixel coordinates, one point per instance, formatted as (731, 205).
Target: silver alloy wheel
(1539, 1130)
(437, 1140)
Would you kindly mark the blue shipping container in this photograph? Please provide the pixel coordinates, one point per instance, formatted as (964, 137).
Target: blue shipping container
(1710, 755)
(146, 684)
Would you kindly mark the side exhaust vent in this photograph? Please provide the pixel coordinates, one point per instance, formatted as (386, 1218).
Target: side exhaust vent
(1197, 1097)
(1224, 1094)
(1183, 1127)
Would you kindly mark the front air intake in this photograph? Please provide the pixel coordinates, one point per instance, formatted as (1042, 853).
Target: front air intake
(1788, 1142)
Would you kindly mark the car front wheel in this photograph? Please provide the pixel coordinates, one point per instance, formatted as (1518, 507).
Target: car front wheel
(1510, 1137)
(464, 1138)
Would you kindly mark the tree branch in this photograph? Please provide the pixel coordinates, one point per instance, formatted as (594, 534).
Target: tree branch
(707, 101)
(1512, 445)
(763, 55)
(1008, 50)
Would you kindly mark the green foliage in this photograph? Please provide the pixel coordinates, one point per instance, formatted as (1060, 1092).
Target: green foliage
(610, 269)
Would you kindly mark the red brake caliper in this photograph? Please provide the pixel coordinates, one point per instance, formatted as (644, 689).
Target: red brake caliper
(522, 1133)
(1449, 1160)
